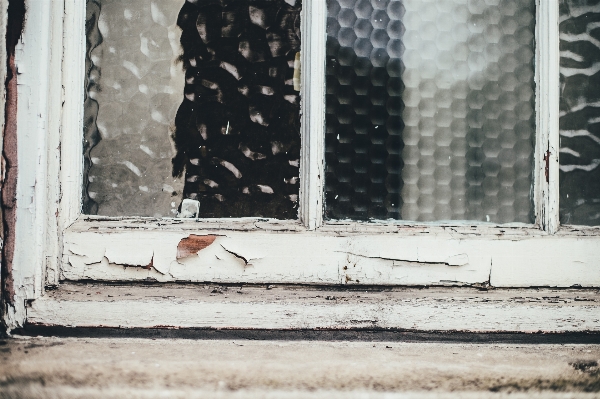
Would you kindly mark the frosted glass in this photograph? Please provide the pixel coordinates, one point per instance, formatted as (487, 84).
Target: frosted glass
(133, 89)
(430, 110)
(579, 112)
(192, 108)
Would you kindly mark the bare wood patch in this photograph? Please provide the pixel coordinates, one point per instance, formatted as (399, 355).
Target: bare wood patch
(193, 244)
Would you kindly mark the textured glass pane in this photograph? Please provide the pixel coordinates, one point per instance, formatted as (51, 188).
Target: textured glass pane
(430, 109)
(133, 90)
(192, 102)
(580, 112)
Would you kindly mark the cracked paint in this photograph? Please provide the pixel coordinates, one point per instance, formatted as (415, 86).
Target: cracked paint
(244, 259)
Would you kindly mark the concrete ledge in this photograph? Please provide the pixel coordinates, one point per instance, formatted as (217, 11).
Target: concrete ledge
(146, 368)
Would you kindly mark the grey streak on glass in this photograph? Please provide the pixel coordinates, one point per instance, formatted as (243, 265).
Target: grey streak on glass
(363, 136)
(464, 72)
(134, 84)
(580, 112)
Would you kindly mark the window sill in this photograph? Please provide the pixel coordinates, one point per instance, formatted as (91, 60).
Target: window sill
(281, 307)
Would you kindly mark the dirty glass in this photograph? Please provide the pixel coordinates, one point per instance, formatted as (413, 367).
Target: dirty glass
(192, 108)
(430, 110)
(580, 112)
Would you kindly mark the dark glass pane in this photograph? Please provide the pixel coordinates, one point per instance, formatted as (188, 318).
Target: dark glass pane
(430, 110)
(579, 112)
(195, 104)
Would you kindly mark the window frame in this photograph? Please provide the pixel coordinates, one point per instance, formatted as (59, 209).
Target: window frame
(56, 242)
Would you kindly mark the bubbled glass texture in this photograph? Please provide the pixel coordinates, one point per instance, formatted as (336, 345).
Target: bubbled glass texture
(430, 110)
(580, 112)
(134, 85)
(192, 101)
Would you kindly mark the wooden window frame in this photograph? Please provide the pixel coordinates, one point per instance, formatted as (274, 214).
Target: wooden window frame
(55, 242)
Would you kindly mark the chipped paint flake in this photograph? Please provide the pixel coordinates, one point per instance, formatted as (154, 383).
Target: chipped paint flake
(193, 244)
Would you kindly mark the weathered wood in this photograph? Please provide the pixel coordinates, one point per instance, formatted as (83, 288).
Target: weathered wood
(72, 95)
(293, 307)
(35, 203)
(312, 165)
(546, 193)
(265, 254)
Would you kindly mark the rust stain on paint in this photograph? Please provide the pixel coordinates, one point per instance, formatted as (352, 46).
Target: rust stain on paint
(192, 244)
(151, 264)
(547, 166)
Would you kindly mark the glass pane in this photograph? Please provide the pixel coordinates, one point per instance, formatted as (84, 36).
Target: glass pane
(430, 110)
(194, 103)
(579, 112)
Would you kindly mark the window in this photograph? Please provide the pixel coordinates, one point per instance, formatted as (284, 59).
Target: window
(450, 226)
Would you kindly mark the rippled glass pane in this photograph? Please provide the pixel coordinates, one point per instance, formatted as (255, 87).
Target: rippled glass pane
(579, 112)
(192, 108)
(430, 110)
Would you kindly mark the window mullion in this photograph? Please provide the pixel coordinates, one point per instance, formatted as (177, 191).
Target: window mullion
(312, 174)
(546, 195)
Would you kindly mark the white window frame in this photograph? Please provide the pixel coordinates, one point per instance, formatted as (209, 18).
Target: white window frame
(55, 241)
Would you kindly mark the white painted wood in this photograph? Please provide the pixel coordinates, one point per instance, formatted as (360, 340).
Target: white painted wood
(53, 245)
(312, 165)
(418, 256)
(546, 195)
(72, 112)
(248, 307)
(333, 227)
(557, 261)
(32, 58)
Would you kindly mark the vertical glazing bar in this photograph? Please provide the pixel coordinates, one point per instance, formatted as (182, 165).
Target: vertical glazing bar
(72, 118)
(53, 241)
(314, 17)
(546, 161)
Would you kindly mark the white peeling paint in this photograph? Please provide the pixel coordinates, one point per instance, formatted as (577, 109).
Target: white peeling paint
(448, 256)
(32, 199)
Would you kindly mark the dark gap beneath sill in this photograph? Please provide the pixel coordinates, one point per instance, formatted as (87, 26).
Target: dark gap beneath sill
(312, 287)
(360, 335)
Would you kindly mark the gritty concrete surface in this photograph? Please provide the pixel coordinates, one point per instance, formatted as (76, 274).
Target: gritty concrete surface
(179, 368)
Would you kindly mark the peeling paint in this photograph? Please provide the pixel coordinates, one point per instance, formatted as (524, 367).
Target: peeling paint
(147, 272)
(266, 257)
(193, 244)
(138, 257)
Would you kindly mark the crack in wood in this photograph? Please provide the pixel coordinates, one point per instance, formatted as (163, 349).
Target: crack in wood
(246, 261)
(418, 262)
